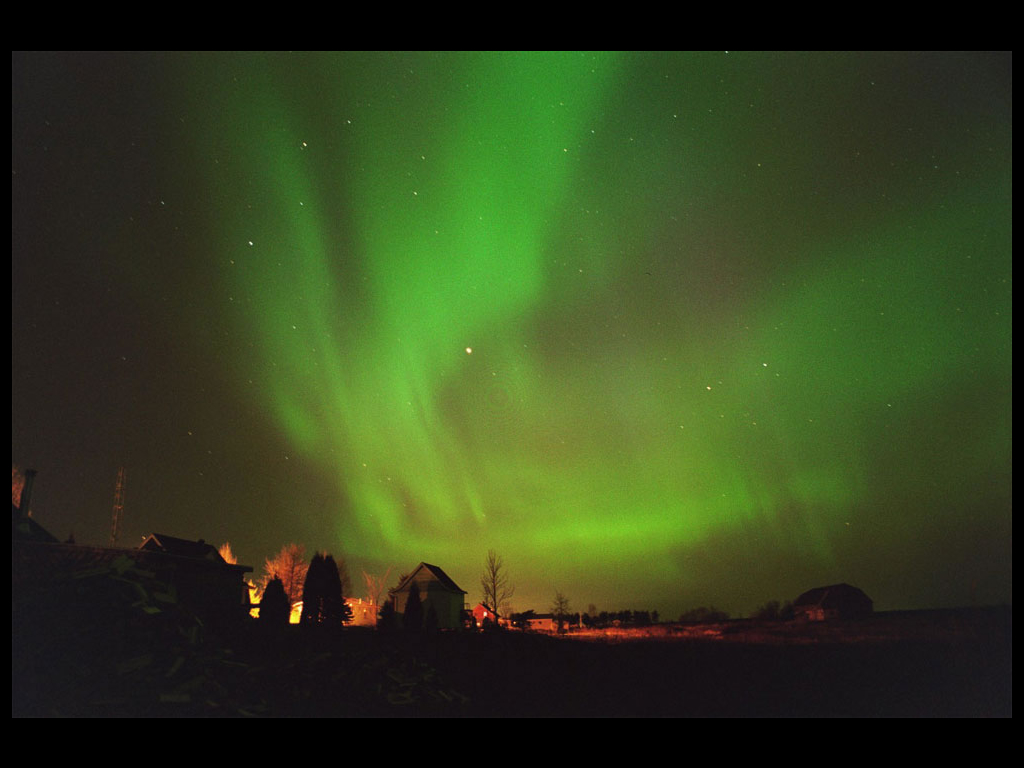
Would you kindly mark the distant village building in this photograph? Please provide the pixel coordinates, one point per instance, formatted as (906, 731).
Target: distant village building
(483, 612)
(364, 612)
(838, 601)
(437, 591)
(542, 622)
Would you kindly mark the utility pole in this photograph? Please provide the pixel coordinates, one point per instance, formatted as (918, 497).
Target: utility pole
(115, 523)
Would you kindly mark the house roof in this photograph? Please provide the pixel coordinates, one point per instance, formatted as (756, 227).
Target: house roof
(172, 545)
(831, 596)
(24, 527)
(442, 577)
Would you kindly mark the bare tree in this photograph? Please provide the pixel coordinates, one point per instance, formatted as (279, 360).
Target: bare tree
(560, 609)
(290, 567)
(226, 553)
(17, 484)
(495, 584)
(375, 586)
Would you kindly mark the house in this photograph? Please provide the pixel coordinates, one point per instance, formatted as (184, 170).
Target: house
(364, 612)
(212, 587)
(161, 542)
(436, 590)
(542, 622)
(483, 612)
(838, 601)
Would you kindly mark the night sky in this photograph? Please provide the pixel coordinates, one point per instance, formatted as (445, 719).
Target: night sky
(663, 329)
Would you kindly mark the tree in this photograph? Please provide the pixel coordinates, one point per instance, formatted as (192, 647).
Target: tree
(703, 615)
(560, 608)
(334, 610)
(412, 619)
(375, 586)
(346, 580)
(313, 591)
(495, 584)
(386, 620)
(322, 599)
(290, 567)
(275, 609)
(226, 553)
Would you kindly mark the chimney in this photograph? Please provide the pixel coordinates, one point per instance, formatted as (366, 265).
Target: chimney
(26, 493)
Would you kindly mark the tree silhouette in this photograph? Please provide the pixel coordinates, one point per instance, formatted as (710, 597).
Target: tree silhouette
(322, 599)
(386, 620)
(560, 608)
(333, 608)
(290, 566)
(375, 586)
(412, 618)
(275, 609)
(494, 583)
(313, 590)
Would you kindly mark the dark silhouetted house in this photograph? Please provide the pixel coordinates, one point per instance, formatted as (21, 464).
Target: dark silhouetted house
(171, 545)
(437, 591)
(838, 601)
(210, 588)
(208, 584)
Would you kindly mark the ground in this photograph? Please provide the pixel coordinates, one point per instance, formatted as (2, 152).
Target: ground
(927, 664)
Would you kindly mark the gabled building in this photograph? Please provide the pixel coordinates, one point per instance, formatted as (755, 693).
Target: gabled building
(483, 612)
(364, 612)
(436, 590)
(212, 587)
(838, 601)
(542, 622)
(171, 545)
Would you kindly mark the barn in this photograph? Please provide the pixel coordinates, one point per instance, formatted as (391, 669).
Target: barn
(838, 601)
(437, 591)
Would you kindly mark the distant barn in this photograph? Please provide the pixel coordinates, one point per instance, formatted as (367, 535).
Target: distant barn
(838, 601)
(437, 591)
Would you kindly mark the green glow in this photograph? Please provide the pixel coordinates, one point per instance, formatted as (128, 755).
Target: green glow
(644, 377)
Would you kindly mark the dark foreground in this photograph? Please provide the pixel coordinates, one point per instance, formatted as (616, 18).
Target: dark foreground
(957, 666)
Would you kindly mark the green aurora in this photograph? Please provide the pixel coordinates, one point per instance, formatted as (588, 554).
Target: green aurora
(664, 330)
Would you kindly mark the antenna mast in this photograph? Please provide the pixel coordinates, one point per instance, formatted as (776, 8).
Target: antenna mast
(115, 523)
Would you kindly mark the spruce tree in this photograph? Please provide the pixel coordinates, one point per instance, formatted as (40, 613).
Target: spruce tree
(313, 591)
(412, 619)
(335, 611)
(386, 618)
(274, 607)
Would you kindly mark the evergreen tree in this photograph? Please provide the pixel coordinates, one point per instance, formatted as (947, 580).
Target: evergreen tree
(412, 619)
(386, 619)
(274, 607)
(313, 591)
(334, 609)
